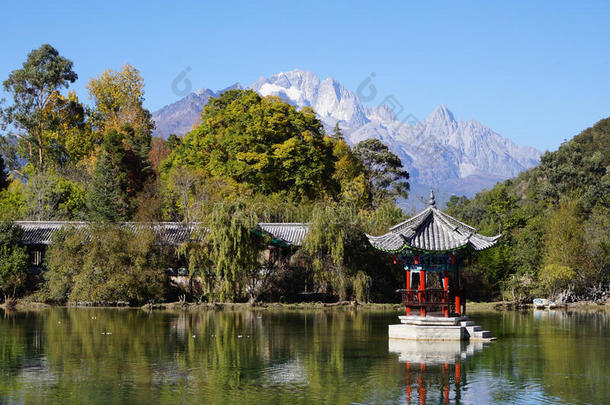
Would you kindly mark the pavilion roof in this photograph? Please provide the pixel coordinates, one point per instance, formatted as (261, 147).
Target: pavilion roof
(434, 231)
(169, 233)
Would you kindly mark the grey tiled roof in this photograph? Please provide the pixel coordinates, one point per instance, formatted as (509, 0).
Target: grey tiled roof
(169, 233)
(41, 232)
(290, 233)
(432, 230)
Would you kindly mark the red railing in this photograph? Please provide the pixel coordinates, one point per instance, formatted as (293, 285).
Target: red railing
(428, 299)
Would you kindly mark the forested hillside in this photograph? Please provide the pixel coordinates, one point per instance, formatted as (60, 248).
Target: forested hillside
(556, 222)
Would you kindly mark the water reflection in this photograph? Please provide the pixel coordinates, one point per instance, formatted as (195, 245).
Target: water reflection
(433, 368)
(74, 356)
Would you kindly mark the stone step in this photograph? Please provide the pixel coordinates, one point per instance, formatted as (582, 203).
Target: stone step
(467, 323)
(483, 334)
(472, 329)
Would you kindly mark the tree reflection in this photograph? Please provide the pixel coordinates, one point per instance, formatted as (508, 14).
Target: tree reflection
(237, 357)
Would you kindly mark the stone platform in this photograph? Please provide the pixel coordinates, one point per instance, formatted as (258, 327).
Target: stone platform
(414, 327)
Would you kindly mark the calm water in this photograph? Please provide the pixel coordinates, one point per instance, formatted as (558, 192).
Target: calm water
(107, 356)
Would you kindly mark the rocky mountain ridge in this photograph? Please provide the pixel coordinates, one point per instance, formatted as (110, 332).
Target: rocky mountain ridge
(449, 155)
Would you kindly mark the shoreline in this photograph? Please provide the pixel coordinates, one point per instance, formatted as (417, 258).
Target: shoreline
(25, 305)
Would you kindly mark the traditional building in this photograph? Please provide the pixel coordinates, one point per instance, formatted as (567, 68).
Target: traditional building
(433, 246)
(38, 235)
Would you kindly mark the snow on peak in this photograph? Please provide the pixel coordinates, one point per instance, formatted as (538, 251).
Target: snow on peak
(327, 97)
(441, 114)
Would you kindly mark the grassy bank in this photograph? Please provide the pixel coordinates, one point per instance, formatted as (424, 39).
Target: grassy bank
(27, 304)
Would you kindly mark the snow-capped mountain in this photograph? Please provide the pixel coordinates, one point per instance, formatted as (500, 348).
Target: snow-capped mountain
(452, 156)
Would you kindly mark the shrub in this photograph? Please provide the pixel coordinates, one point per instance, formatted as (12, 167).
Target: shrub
(13, 261)
(106, 263)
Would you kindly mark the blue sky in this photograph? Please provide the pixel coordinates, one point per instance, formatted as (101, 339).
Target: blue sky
(534, 72)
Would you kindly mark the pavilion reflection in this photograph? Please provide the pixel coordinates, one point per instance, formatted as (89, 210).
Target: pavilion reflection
(434, 368)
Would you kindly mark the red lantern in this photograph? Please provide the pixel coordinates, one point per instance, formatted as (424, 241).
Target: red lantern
(416, 260)
(452, 258)
(394, 259)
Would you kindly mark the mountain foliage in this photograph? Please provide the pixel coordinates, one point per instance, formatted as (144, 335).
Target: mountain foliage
(555, 221)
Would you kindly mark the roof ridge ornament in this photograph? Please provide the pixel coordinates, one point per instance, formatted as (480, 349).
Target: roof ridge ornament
(432, 201)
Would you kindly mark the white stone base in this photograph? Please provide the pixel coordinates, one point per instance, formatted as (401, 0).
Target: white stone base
(415, 327)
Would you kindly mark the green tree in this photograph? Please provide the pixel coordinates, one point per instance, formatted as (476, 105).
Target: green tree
(13, 260)
(43, 74)
(260, 144)
(107, 199)
(119, 100)
(350, 175)
(119, 106)
(565, 246)
(383, 170)
(12, 202)
(71, 137)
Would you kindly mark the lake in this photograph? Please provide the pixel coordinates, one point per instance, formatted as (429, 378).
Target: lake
(114, 356)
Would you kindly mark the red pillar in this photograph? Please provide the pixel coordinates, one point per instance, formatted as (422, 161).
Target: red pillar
(446, 288)
(408, 284)
(458, 293)
(422, 287)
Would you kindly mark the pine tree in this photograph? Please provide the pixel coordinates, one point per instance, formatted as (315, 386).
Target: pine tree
(107, 199)
(337, 134)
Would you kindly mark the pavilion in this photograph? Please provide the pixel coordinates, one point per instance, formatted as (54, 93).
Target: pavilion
(433, 246)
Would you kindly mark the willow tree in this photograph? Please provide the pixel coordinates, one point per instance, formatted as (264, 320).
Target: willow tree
(341, 258)
(334, 232)
(235, 251)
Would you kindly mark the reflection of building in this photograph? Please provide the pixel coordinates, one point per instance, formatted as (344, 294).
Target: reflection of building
(435, 352)
(433, 246)
(433, 368)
